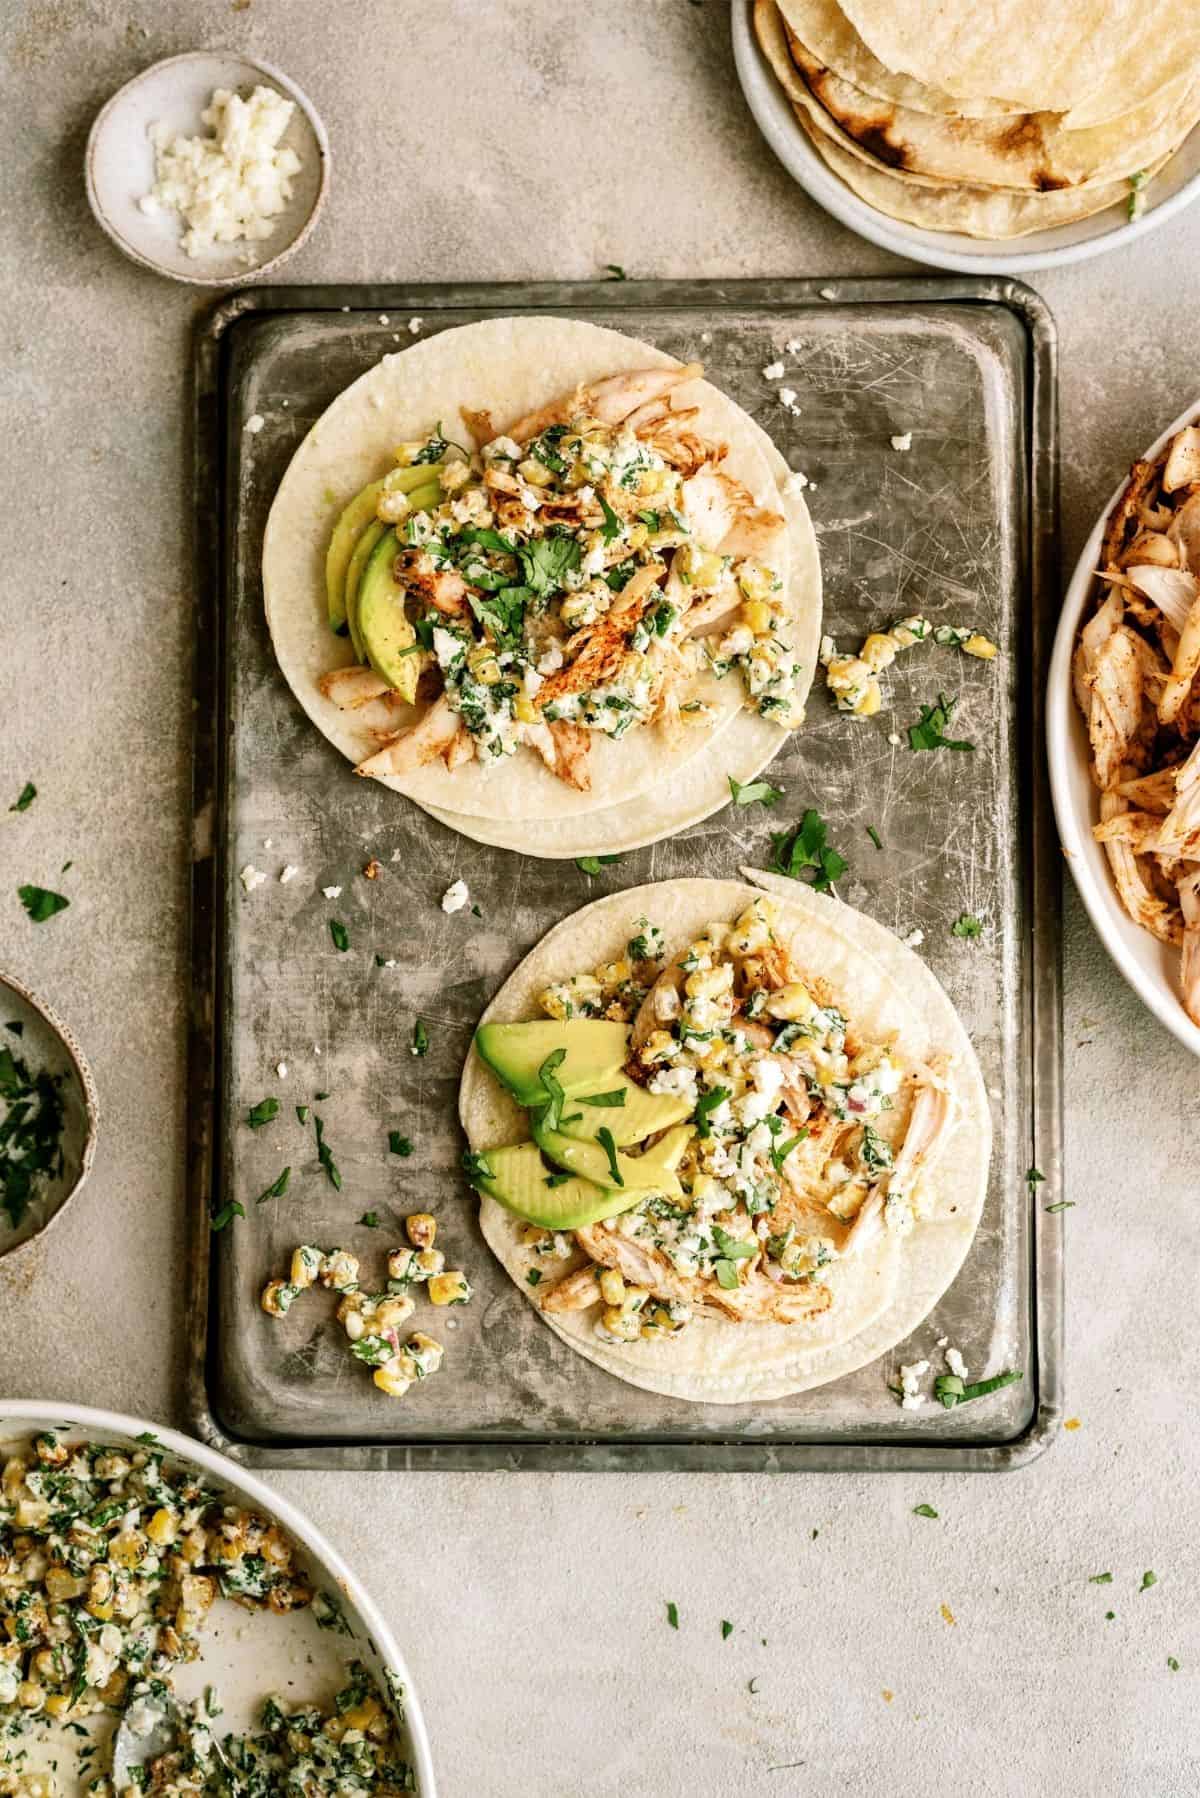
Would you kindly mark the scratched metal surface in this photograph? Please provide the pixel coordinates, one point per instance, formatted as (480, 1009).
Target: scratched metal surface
(944, 528)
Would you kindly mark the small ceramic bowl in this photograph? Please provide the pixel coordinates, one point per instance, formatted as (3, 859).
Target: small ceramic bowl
(119, 166)
(1150, 967)
(36, 1036)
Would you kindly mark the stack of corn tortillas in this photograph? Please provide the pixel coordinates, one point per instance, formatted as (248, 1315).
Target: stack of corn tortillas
(992, 120)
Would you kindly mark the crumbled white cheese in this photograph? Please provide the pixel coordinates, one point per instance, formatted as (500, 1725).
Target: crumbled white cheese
(254, 423)
(397, 855)
(268, 842)
(332, 892)
(455, 897)
(902, 442)
(795, 482)
(229, 186)
(910, 1385)
(793, 346)
(391, 962)
(894, 739)
(829, 293)
(384, 319)
(251, 877)
(706, 336)
(414, 325)
(787, 399)
(773, 371)
(281, 1069)
(914, 939)
(955, 1363)
(288, 873)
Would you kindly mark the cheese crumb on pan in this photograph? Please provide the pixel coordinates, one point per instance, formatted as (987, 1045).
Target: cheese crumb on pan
(229, 186)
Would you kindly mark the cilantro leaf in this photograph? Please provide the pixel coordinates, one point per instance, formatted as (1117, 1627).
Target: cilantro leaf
(551, 1112)
(966, 926)
(226, 1215)
(592, 864)
(794, 851)
(707, 1102)
(25, 798)
(611, 528)
(262, 1113)
(611, 1100)
(302, 1113)
(477, 1167)
(1034, 1177)
(1099, 1579)
(924, 1511)
(726, 1629)
(340, 935)
(951, 1390)
(754, 792)
(276, 1189)
(780, 1153)
(604, 1137)
(399, 1145)
(874, 836)
(929, 732)
(733, 1248)
(420, 1038)
(534, 1276)
(545, 560)
(41, 903)
(370, 1219)
(616, 272)
(332, 1171)
(726, 1273)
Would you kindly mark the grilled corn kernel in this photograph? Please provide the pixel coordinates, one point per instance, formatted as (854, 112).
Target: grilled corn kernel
(58, 1705)
(306, 1265)
(982, 647)
(711, 983)
(421, 1229)
(30, 1695)
(62, 1585)
(755, 581)
(524, 709)
(277, 1297)
(390, 1313)
(127, 1549)
(535, 472)
(792, 1003)
(756, 615)
(454, 474)
(483, 664)
(626, 1326)
(698, 567)
(392, 506)
(532, 1236)
(339, 1270)
(871, 700)
(451, 1288)
(638, 536)
(425, 1353)
(391, 1379)
(652, 481)
(428, 1263)
(879, 651)
(162, 1528)
(612, 1286)
(753, 929)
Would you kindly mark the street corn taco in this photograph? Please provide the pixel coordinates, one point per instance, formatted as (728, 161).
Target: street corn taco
(530, 569)
(731, 1140)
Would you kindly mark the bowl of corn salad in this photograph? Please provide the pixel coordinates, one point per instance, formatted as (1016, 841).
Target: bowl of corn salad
(139, 1568)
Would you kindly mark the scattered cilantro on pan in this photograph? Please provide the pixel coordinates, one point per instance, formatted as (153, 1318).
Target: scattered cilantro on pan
(302, 1113)
(30, 1134)
(753, 792)
(320, 1095)
(1061, 1205)
(1172, 1663)
(604, 1137)
(726, 1629)
(41, 903)
(795, 851)
(1034, 1177)
(262, 1113)
(924, 1511)
(1148, 1580)
(874, 836)
(370, 1219)
(420, 1038)
(929, 732)
(966, 926)
(951, 1390)
(332, 1171)
(340, 935)
(477, 1167)
(673, 1615)
(708, 1101)
(398, 1144)
(25, 798)
(1099, 1579)
(616, 272)
(226, 1215)
(592, 864)
(276, 1189)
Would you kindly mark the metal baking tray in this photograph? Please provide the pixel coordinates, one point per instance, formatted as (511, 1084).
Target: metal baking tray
(963, 527)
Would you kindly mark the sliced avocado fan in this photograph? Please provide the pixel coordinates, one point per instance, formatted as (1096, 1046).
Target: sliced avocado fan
(518, 1178)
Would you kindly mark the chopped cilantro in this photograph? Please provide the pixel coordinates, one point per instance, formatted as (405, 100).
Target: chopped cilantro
(1060, 1205)
(370, 1219)
(1172, 1663)
(651, 520)
(546, 560)
(805, 847)
(929, 732)
(262, 1113)
(673, 1615)
(276, 1189)
(726, 1629)
(340, 935)
(1148, 1580)
(30, 1134)
(592, 864)
(1099, 1579)
(399, 1145)
(604, 1137)
(754, 792)
(25, 798)
(534, 1276)
(302, 1113)
(708, 1101)
(332, 1171)
(551, 1112)
(420, 1038)
(966, 926)
(226, 1215)
(477, 1167)
(733, 1248)
(610, 1100)
(611, 528)
(781, 1151)
(874, 836)
(41, 903)
(616, 272)
(951, 1390)
(924, 1511)
(1034, 1177)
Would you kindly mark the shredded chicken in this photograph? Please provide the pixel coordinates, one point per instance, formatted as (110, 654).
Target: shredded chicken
(1136, 676)
(425, 742)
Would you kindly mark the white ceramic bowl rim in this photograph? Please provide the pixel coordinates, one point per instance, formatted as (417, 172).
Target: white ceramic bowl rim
(803, 162)
(89, 1419)
(280, 80)
(1063, 723)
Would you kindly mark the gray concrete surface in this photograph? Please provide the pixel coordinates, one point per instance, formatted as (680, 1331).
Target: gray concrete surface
(501, 141)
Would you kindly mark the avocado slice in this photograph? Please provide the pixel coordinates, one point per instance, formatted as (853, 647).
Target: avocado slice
(653, 1171)
(518, 1182)
(363, 551)
(595, 1052)
(353, 522)
(641, 1115)
(388, 637)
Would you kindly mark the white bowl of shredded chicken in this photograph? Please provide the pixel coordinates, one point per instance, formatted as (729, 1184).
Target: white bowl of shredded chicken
(1123, 727)
(208, 167)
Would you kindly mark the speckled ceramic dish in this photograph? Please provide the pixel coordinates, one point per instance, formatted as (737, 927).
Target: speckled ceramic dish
(32, 1031)
(248, 1655)
(119, 166)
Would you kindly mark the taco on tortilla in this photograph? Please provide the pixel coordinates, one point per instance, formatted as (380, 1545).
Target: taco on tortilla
(531, 569)
(731, 1140)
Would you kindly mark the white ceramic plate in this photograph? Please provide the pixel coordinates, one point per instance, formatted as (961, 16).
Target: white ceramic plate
(119, 166)
(1176, 187)
(247, 1655)
(1150, 967)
